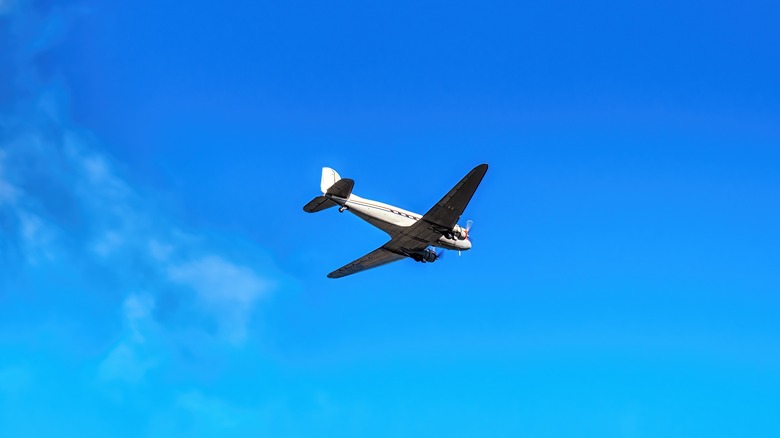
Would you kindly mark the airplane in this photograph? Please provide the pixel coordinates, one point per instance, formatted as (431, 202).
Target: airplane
(411, 235)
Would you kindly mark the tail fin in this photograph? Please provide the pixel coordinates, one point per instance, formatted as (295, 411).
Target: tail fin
(331, 185)
(329, 177)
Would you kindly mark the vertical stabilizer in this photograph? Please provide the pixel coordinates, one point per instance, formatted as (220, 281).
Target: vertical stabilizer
(329, 177)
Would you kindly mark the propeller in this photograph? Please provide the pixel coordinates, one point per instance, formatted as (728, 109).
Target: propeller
(469, 223)
(440, 254)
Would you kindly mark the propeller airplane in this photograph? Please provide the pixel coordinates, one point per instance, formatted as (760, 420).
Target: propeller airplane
(412, 235)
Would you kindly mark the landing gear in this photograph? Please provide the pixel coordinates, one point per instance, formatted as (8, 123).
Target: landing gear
(343, 208)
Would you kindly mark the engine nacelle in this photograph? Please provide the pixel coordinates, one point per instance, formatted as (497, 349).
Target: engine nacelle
(426, 256)
(459, 233)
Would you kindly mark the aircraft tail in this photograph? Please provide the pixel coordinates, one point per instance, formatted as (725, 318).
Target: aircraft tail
(318, 204)
(334, 185)
(329, 177)
(342, 188)
(331, 185)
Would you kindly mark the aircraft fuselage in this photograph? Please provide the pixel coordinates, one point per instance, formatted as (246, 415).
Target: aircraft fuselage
(391, 219)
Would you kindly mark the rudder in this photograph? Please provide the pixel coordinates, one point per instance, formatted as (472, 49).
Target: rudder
(329, 177)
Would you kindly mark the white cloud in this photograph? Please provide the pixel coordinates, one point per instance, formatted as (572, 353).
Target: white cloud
(7, 6)
(97, 174)
(226, 290)
(212, 411)
(130, 360)
(160, 251)
(8, 193)
(118, 229)
(109, 242)
(138, 311)
(195, 414)
(124, 363)
(63, 200)
(37, 237)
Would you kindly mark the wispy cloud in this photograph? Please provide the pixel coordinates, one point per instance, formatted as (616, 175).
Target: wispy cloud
(63, 198)
(8, 192)
(224, 288)
(66, 210)
(130, 359)
(104, 293)
(6, 6)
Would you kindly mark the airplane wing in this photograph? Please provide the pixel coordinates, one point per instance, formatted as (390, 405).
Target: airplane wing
(413, 239)
(446, 213)
(378, 257)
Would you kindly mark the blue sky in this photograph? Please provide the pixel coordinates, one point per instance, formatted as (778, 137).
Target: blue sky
(159, 278)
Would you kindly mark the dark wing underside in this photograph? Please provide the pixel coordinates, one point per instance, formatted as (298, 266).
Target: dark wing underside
(378, 257)
(446, 213)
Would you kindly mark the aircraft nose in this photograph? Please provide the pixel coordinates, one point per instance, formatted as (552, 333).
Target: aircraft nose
(467, 244)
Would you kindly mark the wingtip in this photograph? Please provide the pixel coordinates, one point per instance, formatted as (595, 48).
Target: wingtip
(482, 168)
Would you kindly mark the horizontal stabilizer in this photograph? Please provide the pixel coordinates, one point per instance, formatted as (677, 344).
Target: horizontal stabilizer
(318, 204)
(342, 188)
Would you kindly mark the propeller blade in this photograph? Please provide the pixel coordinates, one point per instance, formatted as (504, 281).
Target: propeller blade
(469, 223)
